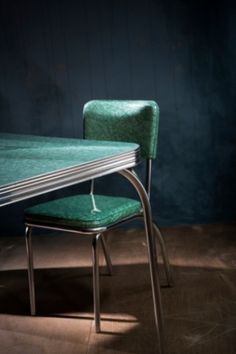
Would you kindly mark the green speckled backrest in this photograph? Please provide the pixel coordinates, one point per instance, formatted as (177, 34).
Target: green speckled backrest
(121, 120)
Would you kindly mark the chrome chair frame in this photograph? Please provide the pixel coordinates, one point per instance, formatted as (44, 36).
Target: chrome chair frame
(151, 229)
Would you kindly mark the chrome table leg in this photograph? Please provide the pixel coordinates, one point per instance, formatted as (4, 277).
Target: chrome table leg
(30, 269)
(152, 255)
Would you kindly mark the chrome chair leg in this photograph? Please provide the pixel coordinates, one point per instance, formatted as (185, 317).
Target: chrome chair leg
(30, 262)
(164, 255)
(106, 254)
(96, 288)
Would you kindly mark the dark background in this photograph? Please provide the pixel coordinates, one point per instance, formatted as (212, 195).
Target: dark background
(56, 55)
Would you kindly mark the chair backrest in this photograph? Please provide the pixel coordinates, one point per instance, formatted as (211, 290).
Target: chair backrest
(121, 120)
(124, 120)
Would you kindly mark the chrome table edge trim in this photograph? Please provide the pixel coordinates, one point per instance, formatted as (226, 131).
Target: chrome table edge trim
(63, 178)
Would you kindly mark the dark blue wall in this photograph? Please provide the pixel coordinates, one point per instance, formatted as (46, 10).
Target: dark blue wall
(56, 55)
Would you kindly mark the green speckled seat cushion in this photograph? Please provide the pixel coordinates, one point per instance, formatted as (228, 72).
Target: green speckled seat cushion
(76, 211)
(121, 120)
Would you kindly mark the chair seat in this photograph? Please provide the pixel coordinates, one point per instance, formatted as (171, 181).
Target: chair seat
(78, 211)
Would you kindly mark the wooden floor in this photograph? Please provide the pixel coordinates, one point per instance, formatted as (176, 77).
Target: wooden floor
(200, 310)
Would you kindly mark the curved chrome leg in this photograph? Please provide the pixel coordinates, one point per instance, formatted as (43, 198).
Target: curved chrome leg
(106, 254)
(96, 289)
(152, 255)
(164, 255)
(30, 269)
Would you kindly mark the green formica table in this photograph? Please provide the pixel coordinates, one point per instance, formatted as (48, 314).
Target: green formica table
(34, 165)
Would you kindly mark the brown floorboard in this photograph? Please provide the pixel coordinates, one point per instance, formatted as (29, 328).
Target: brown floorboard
(200, 310)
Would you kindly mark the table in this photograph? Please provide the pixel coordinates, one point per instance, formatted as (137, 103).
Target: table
(33, 165)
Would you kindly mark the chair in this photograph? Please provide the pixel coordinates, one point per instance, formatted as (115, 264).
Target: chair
(91, 214)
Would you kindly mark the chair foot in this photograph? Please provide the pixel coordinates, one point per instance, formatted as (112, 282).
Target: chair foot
(168, 272)
(97, 328)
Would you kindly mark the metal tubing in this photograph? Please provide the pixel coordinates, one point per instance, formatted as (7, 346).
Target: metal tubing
(164, 255)
(106, 254)
(30, 270)
(152, 255)
(96, 289)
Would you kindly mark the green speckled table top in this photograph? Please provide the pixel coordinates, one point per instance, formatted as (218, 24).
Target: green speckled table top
(27, 158)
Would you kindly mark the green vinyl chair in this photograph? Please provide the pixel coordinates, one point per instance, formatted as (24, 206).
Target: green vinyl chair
(92, 214)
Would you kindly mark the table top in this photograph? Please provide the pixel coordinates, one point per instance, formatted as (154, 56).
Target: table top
(33, 165)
